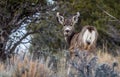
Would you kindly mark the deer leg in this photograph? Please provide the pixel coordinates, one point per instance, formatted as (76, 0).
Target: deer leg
(88, 47)
(85, 46)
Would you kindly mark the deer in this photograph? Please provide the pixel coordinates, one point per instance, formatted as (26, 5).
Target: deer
(85, 40)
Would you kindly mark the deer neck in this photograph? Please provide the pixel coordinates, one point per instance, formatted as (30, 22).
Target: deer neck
(69, 38)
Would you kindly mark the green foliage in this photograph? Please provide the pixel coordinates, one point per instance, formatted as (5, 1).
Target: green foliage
(13, 14)
(48, 37)
(93, 13)
(102, 14)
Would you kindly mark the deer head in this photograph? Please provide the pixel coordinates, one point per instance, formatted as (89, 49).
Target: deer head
(68, 23)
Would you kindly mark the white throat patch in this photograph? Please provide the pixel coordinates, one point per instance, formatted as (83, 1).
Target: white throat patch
(67, 28)
(89, 36)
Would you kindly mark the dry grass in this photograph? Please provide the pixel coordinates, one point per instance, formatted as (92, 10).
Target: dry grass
(18, 67)
(27, 67)
(30, 68)
(108, 58)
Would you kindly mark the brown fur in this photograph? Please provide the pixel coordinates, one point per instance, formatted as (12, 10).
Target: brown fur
(77, 43)
(92, 47)
(75, 39)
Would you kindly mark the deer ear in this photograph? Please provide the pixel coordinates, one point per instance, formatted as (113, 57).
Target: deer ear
(75, 18)
(60, 18)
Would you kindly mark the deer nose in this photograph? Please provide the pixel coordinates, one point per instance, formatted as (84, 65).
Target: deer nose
(67, 31)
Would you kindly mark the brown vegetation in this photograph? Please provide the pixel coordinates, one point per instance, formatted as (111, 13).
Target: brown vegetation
(27, 67)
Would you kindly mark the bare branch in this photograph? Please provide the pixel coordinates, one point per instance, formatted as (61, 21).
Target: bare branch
(18, 42)
(108, 13)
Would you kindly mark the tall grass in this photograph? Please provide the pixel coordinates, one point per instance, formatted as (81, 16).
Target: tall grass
(28, 67)
(100, 65)
(105, 57)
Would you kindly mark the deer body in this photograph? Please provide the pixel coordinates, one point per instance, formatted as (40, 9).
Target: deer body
(83, 41)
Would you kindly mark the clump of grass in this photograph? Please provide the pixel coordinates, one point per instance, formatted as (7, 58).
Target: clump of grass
(30, 68)
(100, 65)
(105, 57)
(4, 71)
(18, 66)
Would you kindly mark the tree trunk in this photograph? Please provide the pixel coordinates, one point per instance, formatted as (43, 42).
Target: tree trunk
(4, 35)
